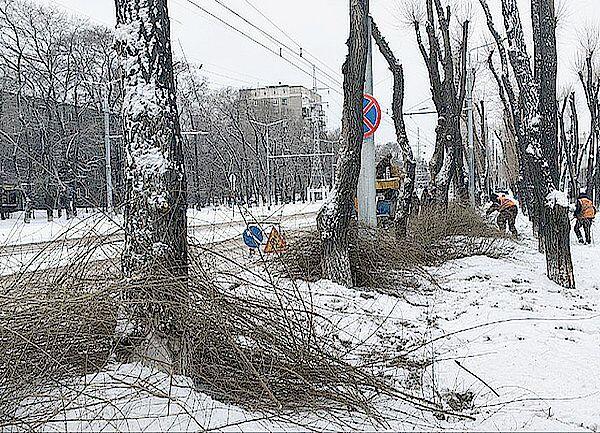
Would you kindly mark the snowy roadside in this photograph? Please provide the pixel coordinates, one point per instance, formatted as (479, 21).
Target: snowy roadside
(15, 232)
(541, 351)
(533, 343)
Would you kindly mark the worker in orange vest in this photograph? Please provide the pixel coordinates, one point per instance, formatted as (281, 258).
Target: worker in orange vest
(585, 212)
(507, 212)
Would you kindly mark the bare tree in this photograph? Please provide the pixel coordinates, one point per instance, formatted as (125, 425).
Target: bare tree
(49, 63)
(155, 210)
(589, 76)
(537, 126)
(572, 151)
(410, 164)
(333, 220)
(447, 76)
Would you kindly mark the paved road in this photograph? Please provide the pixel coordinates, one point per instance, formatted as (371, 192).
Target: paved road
(221, 239)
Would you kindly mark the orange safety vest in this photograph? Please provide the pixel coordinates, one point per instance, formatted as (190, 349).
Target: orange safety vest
(505, 204)
(588, 210)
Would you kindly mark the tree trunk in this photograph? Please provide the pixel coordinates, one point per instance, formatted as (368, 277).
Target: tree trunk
(537, 127)
(334, 218)
(556, 226)
(410, 165)
(156, 249)
(448, 93)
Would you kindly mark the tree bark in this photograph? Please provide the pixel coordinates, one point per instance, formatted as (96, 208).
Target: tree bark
(333, 220)
(410, 165)
(447, 76)
(556, 218)
(537, 126)
(156, 249)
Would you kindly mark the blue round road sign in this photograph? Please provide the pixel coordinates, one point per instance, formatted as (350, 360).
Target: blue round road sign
(253, 237)
(371, 115)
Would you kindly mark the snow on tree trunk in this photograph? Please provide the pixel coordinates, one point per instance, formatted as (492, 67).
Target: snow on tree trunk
(333, 220)
(155, 208)
(557, 227)
(539, 110)
(410, 165)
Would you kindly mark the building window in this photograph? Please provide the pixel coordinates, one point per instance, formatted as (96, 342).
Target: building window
(276, 102)
(284, 101)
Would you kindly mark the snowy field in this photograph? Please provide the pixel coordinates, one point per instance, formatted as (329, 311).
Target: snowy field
(529, 354)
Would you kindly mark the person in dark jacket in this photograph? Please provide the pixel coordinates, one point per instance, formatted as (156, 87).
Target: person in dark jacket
(384, 167)
(585, 212)
(507, 212)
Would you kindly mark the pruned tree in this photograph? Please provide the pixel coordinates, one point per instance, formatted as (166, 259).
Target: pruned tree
(410, 164)
(588, 71)
(155, 210)
(333, 220)
(572, 151)
(537, 126)
(447, 70)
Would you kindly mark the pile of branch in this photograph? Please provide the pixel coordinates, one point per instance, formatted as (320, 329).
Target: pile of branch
(260, 352)
(381, 261)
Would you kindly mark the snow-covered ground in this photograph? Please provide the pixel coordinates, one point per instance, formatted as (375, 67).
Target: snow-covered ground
(40, 243)
(15, 232)
(534, 344)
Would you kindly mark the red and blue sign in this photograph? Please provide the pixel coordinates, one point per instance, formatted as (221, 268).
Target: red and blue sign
(371, 115)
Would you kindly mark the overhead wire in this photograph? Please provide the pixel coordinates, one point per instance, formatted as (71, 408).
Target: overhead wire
(261, 44)
(290, 38)
(277, 41)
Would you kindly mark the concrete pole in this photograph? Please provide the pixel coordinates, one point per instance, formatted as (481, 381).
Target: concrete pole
(366, 195)
(268, 170)
(107, 151)
(470, 84)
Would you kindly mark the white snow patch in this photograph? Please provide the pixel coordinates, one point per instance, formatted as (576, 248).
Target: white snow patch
(127, 34)
(150, 160)
(141, 100)
(557, 198)
(160, 248)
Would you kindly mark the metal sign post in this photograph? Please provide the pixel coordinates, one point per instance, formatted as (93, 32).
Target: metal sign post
(366, 195)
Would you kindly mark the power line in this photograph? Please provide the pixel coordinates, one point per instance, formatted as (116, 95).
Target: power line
(277, 41)
(232, 27)
(289, 37)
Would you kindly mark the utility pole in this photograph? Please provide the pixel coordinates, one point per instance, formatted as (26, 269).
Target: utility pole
(470, 84)
(107, 150)
(418, 144)
(317, 178)
(268, 151)
(366, 195)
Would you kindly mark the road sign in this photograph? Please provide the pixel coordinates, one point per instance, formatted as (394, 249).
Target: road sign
(276, 242)
(371, 115)
(253, 237)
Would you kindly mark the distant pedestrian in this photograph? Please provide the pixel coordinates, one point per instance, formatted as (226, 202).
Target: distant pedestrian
(415, 205)
(585, 212)
(507, 212)
(426, 199)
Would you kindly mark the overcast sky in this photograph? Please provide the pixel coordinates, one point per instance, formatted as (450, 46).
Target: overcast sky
(320, 27)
